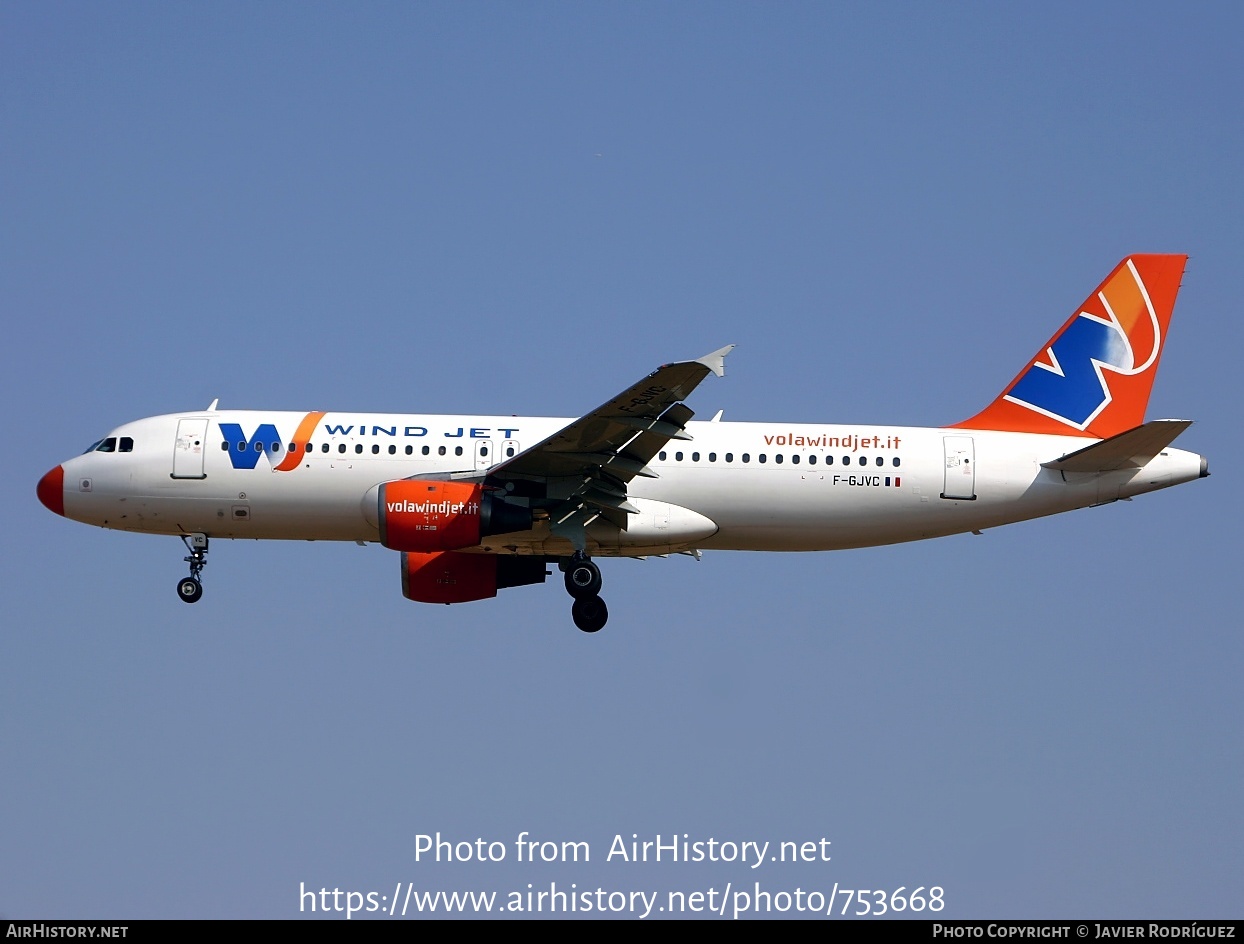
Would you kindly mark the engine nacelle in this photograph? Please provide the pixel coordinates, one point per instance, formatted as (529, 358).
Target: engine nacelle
(450, 577)
(427, 516)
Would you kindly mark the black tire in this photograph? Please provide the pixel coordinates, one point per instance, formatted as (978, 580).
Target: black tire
(189, 590)
(590, 614)
(583, 579)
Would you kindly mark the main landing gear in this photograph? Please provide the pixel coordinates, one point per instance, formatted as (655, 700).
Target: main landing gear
(189, 589)
(583, 583)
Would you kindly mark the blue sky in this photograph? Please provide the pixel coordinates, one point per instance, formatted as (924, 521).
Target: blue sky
(523, 208)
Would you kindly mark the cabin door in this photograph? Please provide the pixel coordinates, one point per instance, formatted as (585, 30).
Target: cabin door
(190, 448)
(960, 482)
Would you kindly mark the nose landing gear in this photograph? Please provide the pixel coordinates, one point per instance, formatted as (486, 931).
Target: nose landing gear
(190, 589)
(583, 582)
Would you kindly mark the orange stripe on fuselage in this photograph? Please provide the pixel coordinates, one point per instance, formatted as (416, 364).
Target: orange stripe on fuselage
(301, 435)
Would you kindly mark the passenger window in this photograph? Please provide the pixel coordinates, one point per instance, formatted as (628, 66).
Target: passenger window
(896, 462)
(393, 450)
(410, 450)
(440, 450)
(375, 449)
(276, 447)
(729, 456)
(795, 459)
(829, 460)
(811, 460)
(258, 446)
(426, 450)
(778, 458)
(846, 460)
(509, 452)
(342, 449)
(678, 457)
(457, 450)
(863, 461)
(661, 455)
(224, 446)
(712, 457)
(324, 448)
(695, 457)
(358, 449)
(746, 457)
(880, 461)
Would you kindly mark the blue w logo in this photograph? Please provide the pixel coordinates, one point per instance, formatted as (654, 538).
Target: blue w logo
(244, 453)
(1071, 388)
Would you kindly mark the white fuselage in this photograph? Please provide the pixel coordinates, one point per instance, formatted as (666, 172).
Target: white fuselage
(733, 486)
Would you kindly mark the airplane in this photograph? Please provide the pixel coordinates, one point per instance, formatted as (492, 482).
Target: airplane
(478, 504)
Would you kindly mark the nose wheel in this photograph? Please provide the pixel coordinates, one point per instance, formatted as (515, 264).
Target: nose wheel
(190, 589)
(583, 582)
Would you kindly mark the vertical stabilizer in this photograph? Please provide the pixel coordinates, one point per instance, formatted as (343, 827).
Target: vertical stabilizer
(1094, 376)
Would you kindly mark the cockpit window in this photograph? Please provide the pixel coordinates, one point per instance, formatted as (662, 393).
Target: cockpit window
(108, 445)
(93, 446)
(127, 444)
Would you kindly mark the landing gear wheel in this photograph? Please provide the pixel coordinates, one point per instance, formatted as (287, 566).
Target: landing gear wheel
(582, 579)
(590, 614)
(189, 590)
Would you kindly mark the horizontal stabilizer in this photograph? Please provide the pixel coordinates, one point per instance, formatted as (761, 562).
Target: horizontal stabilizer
(1130, 450)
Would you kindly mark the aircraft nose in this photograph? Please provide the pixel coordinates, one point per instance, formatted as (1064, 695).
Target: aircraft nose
(51, 490)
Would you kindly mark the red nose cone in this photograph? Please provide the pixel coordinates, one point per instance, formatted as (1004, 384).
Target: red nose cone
(51, 490)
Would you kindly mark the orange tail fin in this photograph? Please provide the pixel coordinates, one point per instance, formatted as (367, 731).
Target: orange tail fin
(1094, 376)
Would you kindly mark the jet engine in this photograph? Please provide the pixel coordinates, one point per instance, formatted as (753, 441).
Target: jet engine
(451, 577)
(425, 516)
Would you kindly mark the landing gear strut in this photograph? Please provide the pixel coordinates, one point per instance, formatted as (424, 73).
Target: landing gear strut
(583, 582)
(189, 589)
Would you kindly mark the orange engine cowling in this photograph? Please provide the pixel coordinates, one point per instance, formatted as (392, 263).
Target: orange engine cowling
(450, 577)
(426, 516)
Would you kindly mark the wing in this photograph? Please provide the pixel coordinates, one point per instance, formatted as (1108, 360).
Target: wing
(581, 471)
